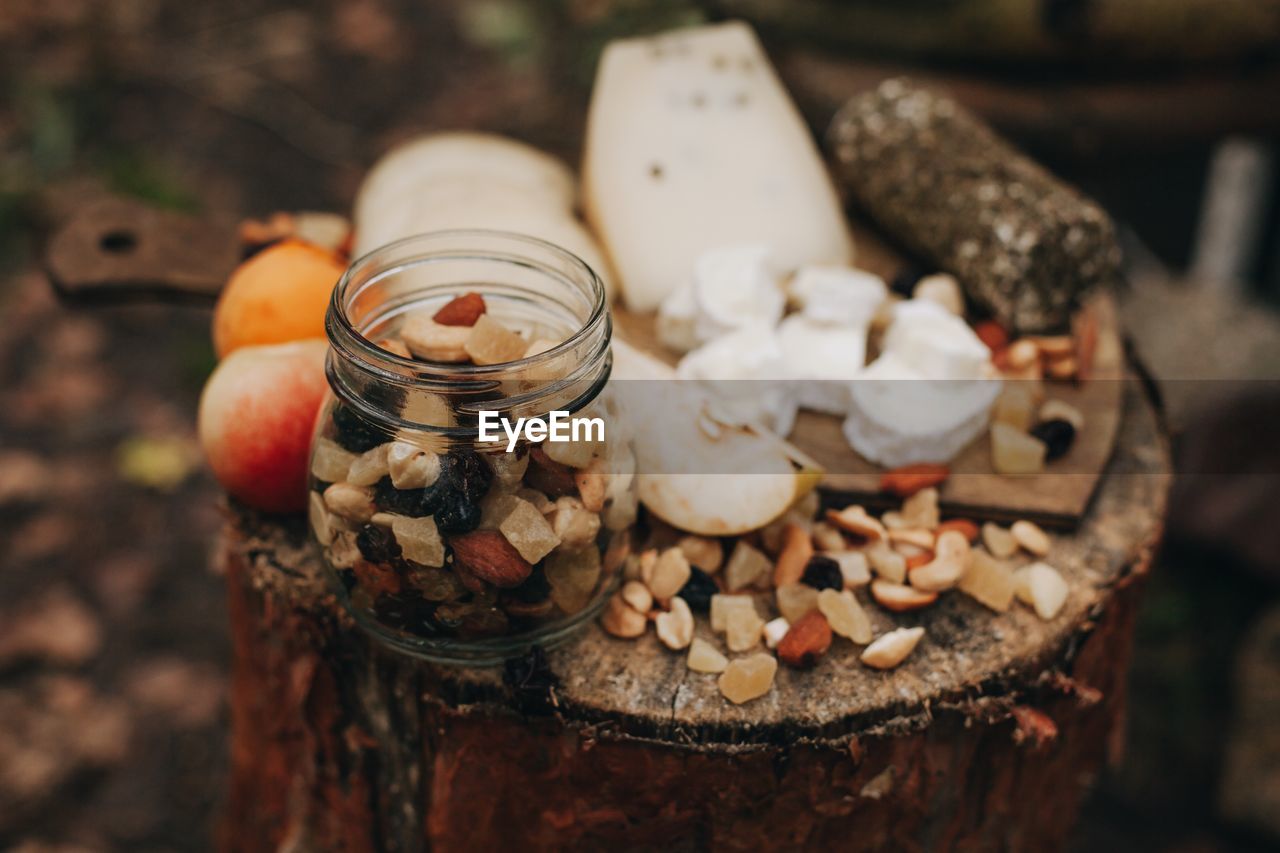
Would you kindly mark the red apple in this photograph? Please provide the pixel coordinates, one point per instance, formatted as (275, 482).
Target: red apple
(257, 413)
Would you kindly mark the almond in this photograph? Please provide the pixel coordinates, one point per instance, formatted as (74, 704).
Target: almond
(806, 641)
(488, 555)
(797, 548)
(462, 310)
(963, 525)
(909, 479)
(548, 476)
(899, 597)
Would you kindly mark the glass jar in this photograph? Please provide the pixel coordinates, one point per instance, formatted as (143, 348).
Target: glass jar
(440, 544)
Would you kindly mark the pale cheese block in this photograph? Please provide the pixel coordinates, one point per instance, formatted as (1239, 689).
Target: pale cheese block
(692, 143)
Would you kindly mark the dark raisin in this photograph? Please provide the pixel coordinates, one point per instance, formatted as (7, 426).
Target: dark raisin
(377, 544)
(466, 472)
(353, 432)
(1057, 437)
(348, 579)
(408, 611)
(534, 589)
(822, 572)
(905, 281)
(415, 503)
(698, 589)
(457, 515)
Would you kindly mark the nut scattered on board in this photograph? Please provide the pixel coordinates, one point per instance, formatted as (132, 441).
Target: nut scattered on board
(900, 598)
(891, 649)
(621, 620)
(797, 548)
(1029, 535)
(675, 626)
(999, 541)
(908, 557)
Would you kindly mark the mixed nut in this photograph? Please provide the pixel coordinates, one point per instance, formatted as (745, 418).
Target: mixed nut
(457, 542)
(794, 587)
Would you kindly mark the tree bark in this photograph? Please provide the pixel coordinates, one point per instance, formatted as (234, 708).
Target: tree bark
(985, 738)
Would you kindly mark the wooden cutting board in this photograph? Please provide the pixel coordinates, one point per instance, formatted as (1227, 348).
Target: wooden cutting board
(121, 250)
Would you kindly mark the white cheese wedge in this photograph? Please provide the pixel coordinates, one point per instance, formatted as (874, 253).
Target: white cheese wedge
(898, 416)
(935, 342)
(823, 358)
(692, 143)
(838, 295)
(743, 372)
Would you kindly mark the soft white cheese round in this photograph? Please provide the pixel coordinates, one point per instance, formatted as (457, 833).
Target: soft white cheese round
(822, 358)
(898, 416)
(734, 286)
(936, 343)
(838, 295)
(750, 353)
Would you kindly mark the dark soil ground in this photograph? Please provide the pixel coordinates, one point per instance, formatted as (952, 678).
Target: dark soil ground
(113, 646)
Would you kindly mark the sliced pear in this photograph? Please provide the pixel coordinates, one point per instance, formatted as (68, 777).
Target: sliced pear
(732, 482)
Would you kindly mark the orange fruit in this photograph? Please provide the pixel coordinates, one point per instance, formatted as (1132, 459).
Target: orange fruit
(278, 295)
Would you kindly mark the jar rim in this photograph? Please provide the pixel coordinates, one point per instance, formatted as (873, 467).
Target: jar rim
(339, 327)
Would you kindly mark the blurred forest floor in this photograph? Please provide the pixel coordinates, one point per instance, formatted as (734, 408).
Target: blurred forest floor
(113, 646)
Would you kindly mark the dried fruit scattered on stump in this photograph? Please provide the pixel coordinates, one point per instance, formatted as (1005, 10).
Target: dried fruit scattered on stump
(697, 591)
(748, 678)
(806, 641)
(822, 572)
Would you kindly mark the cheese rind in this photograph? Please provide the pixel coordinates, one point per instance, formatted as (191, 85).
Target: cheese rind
(693, 143)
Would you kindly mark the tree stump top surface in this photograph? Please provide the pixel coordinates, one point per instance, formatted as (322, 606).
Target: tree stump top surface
(969, 654)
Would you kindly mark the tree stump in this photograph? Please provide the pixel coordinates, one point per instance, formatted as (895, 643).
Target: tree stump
(986, 737)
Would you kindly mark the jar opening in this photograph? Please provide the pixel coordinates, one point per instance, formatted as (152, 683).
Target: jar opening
(530, 285)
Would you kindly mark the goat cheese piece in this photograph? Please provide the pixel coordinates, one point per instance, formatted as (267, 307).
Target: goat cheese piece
(898, 416)
(822, 358)
(936, 343)
(676, 324)
(838, 295)
(741, 373)
(692, 143)
(734, 286)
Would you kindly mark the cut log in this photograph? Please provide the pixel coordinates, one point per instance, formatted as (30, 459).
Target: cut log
(986, 737)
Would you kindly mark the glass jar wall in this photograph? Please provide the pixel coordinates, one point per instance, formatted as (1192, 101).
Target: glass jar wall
(438, 543)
